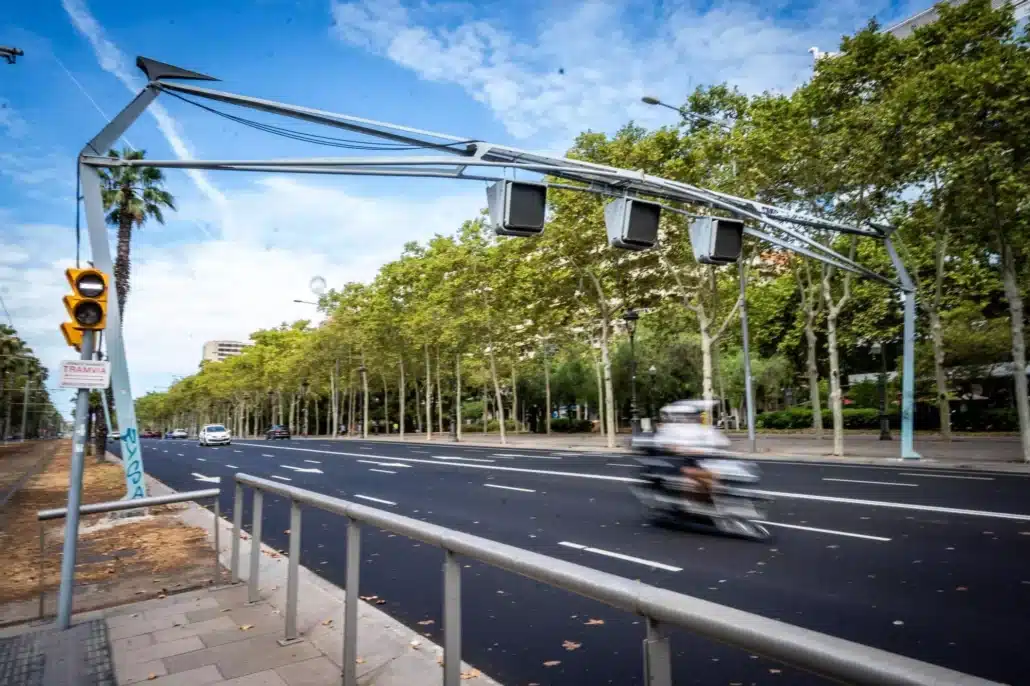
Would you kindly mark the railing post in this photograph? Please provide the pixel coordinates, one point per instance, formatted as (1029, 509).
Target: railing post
(237, 524)
(293, 574)
(218, 547)
(42, 568)
(255, 547)
(350, 608)
(451, 619)
(657, 656)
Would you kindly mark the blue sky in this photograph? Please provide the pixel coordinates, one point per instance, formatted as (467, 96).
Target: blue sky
(243, 246)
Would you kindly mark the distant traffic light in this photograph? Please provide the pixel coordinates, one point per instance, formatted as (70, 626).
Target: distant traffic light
(517, 208)
(716, 240)
(87, 305)
(632, 223)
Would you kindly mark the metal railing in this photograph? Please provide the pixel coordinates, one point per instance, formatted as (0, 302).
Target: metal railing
(828, 656)
(123, 505)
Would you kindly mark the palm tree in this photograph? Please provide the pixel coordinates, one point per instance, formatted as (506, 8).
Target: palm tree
(131, 195)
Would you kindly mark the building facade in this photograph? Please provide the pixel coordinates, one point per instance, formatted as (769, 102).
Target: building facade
(216, 351)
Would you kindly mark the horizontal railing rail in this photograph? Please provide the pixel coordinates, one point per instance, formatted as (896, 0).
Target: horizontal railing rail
(828, 656)
(121, 506)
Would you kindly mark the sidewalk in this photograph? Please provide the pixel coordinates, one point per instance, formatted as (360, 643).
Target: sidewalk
(966, 452)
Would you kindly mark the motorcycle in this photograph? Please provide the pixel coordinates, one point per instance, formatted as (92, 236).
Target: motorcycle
(726, 506)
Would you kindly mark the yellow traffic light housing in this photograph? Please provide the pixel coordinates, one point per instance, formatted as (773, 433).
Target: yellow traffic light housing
(87, 305)
(72, 336)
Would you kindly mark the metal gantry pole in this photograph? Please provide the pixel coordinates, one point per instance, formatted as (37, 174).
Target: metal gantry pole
(908, 451)
(71, 522)
(749, 394)
(451, 619)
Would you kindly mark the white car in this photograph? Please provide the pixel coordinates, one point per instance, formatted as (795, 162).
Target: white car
(215, 434)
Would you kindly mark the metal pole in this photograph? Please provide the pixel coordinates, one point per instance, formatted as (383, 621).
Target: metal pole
(749, 394)
(42, 568)
(908, 451)
(293, 574)
(350, 608)
(218, 547)
(255, 548)
(71, 525)
(237, 524)
(634, 415)
(25, 403)
(451, 619)
(885, 424)
(657, 656)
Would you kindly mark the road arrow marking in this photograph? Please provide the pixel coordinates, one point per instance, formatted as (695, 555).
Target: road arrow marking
(305, 470)
(209, 479)
(386, 464)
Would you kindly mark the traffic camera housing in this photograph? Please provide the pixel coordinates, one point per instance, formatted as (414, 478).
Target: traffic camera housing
(632, 223)
(517, 208)
(716, 240)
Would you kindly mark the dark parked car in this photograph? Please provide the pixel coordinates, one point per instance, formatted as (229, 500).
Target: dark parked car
(277, 431)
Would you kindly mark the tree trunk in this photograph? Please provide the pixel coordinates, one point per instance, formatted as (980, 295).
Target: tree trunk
(833, 311)
(937, 335)
(429, 397)
(364, 398)
(514, 398)
(486, 415)
(497, 394)
(609, 395)
(1015, 298)
(418, 406)
(402, 392)
(707, 374)
(600, 402)
(547, 392)
(335, 408)
(439, 393)
(812, 368)
(386, 403)
(457, 396)
(122, 262)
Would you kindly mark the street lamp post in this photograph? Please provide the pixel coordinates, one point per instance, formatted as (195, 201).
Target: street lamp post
(885, 425)
(631, 318)
(652, 372)
(304, 395)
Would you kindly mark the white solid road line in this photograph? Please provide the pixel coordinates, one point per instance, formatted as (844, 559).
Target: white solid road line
(826, 531)
(620, 556)
(878, 483)
(619, 464)
(281, 478)
(463, 459)
(897, 506)
(303, 470)
(266, 455)
(510, 488)
(375, 500)
(313, 461)
(948, 476)
(386, 464)
(532, 457)
(381, 471)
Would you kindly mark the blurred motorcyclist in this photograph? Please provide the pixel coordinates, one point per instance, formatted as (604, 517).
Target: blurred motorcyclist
(683, 434)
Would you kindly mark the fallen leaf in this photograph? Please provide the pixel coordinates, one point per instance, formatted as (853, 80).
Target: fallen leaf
(594, 622)
(151, 676)
(380, 602)
(287, 531)
(898, 622)
(228, 609)
(368, 597)
(360, 660)
(961, 588)
(426, 622)
(415, 644)
(774, 671)
(326, 622)
(471, 674)
(570, 645)
(161, 595)
(246, 627)
(439, 659)
(552, 663)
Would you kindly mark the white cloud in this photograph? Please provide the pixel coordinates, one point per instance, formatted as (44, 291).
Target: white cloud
(589, 63)
(10, 121)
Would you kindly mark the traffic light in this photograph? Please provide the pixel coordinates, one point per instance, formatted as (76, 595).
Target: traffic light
(72, 336)
(87, 305)
(716, 240)
(517, 208)
(632, 223)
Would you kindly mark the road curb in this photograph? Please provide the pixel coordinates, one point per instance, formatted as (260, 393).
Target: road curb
(893, 462)
(392, 654)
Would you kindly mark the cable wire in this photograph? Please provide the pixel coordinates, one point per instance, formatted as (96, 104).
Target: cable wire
(319, 139)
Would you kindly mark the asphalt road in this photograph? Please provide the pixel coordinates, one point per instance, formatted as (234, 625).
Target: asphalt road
(933, 564)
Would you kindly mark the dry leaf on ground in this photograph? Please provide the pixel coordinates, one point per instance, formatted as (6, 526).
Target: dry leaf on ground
(326, 622)
(426, 622)
(246, 627)
(552, 663)
(471, 674)
(594, 622)
(368, 597)
(360, 660)
(380, 602)
(570, 645)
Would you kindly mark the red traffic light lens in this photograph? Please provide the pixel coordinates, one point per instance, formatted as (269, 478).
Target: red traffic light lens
(88, 313)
